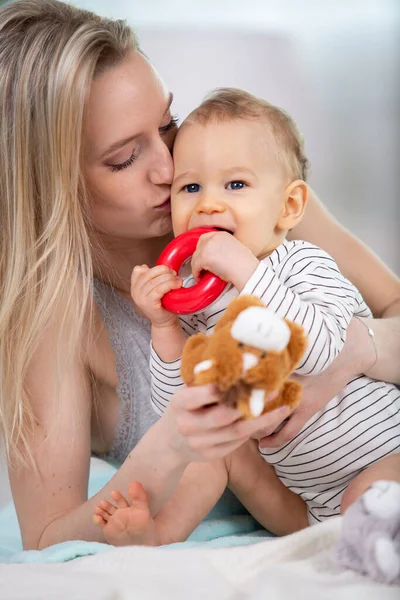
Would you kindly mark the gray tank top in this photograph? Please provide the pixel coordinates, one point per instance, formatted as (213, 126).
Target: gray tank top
(129, 336)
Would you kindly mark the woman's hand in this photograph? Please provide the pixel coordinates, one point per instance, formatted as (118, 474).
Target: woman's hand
(357, 356)
(203, 429)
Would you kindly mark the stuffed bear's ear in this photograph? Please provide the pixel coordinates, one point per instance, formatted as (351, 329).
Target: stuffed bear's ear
(297, 343)
(192, 354)
(237, 306)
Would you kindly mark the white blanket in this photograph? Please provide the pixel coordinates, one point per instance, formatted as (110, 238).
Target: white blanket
(297, 566)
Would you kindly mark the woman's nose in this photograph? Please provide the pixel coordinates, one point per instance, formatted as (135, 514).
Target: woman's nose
(162, 169)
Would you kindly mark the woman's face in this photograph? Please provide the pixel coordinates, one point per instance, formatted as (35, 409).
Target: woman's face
(128, 136)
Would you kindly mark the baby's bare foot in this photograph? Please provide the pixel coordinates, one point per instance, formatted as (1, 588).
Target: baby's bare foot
(129, 523)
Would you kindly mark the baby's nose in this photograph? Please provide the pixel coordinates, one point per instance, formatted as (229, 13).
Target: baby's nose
(210, 205)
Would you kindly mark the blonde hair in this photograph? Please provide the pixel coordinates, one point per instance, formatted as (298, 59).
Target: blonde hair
(49, 54)
(232, 104)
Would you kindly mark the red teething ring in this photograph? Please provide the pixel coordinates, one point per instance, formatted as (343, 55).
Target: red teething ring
(186, 301)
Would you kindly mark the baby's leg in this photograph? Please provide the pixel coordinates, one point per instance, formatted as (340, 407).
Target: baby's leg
(260, 490)
(131, 523)
(370, 540)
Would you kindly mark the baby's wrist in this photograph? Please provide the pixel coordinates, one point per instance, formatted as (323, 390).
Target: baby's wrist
(169, 326)
(244, 270)
(168, 340)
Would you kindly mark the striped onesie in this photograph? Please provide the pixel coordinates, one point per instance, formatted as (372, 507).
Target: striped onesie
(357, 427)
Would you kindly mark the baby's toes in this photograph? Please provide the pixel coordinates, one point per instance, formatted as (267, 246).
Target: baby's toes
(119, 499)
(107, 507)
(101, 516)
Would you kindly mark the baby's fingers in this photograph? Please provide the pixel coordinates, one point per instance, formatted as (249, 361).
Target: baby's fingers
(160, 285)
(141, 274)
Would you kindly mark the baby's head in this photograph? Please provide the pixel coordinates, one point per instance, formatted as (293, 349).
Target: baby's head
(239, 165)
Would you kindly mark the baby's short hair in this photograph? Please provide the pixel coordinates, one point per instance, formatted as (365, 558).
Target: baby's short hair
(232, 104)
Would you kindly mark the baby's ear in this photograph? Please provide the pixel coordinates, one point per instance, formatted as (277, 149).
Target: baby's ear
(297, 343)
(192, 354)
(296, 195)
(236, 307)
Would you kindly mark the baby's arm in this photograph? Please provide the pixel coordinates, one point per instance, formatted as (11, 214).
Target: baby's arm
(298, 281)
(306, 287)
(148, 286)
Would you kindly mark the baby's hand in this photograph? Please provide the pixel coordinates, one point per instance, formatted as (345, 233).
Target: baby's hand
(148, 286)
(225, 256)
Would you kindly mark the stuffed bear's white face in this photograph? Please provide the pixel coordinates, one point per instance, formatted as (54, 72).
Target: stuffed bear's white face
(261, 328)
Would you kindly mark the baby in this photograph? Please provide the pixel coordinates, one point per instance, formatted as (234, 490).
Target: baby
(240, 167)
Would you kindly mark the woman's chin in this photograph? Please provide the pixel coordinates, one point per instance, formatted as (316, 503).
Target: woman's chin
(161, 226)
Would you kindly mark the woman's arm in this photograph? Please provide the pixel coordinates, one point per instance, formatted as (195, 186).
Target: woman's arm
(51, 502)
(378, 285)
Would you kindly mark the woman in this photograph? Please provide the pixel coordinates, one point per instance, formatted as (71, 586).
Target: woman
(85, 134)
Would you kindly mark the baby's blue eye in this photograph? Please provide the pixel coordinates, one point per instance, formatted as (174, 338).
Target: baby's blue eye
(235, 185)
(192, 188)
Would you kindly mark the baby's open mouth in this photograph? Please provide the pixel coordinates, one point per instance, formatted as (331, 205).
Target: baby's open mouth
(224, 229)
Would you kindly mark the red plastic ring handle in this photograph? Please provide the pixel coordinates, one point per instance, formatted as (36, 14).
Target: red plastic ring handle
(196, 298)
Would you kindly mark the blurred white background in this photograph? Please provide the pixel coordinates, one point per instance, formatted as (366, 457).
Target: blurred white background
(333, 64)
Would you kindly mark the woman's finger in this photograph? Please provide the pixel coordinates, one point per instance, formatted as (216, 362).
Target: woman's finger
(219, 443)
(250, 427)
(289, 430)
(194, 397)
(202, 430)
(206, 418)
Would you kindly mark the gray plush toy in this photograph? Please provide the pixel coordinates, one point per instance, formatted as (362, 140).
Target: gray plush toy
(370, 539)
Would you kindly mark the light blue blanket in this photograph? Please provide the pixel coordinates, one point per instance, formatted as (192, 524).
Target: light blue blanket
(227, 525)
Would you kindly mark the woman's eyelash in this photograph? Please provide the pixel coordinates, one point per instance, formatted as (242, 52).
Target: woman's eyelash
(125, 164)
(173, 123)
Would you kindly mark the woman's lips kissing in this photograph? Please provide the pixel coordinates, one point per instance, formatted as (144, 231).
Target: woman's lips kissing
(166, 205)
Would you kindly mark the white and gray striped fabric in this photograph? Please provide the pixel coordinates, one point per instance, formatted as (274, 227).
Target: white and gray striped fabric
(360, 425)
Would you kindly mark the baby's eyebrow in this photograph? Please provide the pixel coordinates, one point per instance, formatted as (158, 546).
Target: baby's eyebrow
(185, 176)
(241, 170)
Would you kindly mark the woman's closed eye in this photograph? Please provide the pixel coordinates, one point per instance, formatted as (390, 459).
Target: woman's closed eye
(171, 125)
(126, 163)
(236, 185)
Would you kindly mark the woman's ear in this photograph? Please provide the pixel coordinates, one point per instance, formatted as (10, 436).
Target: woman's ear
(295, 203)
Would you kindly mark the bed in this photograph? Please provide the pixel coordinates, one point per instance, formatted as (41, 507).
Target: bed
(224, 561)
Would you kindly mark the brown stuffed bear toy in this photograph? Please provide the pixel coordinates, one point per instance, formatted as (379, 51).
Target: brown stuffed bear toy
(249, 355)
